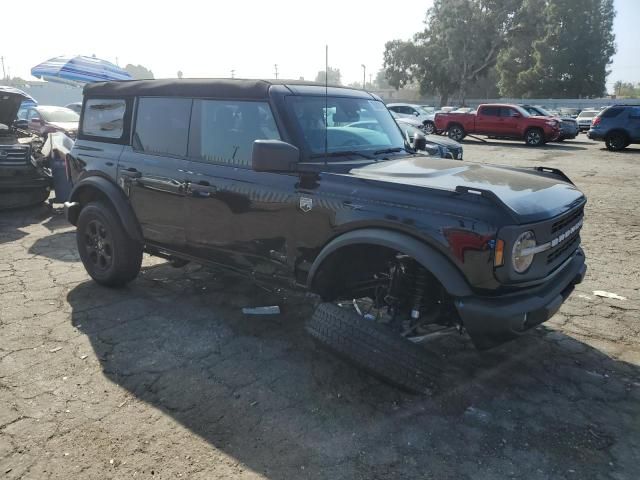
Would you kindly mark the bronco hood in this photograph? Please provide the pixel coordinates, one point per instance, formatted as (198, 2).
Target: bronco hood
(10, 100)
(531, 195)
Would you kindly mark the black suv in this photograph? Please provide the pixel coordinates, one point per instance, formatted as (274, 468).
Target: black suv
(272, 179)
(618, 126)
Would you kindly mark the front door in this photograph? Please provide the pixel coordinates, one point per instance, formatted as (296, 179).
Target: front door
(237, 217)
(153, 171)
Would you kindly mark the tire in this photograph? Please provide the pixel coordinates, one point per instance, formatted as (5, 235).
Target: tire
(616, 141)
(534, 137)
(456, 132)
(109, 255)
(429, 127)
(372, 347)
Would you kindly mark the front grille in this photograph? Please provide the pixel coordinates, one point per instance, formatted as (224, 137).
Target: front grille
(14, 156)
(567, 221)
(566, 248)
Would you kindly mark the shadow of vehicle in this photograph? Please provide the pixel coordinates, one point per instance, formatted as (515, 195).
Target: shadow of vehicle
(566, 145)
(57, 246)
(257, 389)
(11, 221)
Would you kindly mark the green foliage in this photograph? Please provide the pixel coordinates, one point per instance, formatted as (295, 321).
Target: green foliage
(550, 48)
(570, 57)
(138, 72)
(626, 89)
(335, 77)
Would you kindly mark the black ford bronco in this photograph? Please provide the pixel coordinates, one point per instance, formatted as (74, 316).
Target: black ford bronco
(273, 179)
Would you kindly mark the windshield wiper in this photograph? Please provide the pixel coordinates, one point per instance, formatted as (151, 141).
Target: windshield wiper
(391, 150)
(346, 153)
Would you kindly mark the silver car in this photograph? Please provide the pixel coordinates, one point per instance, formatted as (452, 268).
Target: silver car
(417, 112)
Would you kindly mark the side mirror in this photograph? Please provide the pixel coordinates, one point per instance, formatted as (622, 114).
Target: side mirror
(516, 115)
(419, 142)
(22, 124)
(36, 120)
(274, 156)
(416, 114)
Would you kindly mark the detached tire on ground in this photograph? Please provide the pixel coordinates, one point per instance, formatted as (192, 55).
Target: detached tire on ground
(109, 255)
(373, 347)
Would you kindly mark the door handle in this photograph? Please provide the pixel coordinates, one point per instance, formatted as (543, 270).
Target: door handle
(131, 172)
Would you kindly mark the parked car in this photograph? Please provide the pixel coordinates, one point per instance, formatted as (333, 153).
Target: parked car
(618, 126)
(407, 110)
(584, 119)
(45, 119)
(500, 121)
(246, 175)
(568, 125)
(22, 181)
(75, 106)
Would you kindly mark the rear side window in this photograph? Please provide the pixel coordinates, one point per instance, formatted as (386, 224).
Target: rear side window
(223, 131)
(162, 126)
(611, 112)
(104, 117)
(491, 111)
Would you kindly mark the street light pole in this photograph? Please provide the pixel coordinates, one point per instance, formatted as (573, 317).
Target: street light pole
(364, 77)
(276, 70)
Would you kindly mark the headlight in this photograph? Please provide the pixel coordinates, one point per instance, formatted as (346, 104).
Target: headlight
(522, 255)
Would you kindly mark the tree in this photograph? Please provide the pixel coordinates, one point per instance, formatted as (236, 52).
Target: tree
(571, 57)
(381, 82)
(516, 56)
(626, 89)
(334, 78)
(179, 73)
(460, 43)
(139, 72)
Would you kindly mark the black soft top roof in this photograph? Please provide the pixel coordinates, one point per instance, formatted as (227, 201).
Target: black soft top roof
(209, 87)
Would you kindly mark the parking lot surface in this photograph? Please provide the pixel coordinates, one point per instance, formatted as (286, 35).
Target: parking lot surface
(168, 379)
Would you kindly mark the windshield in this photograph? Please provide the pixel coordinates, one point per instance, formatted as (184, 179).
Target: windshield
(59, 115)
(353, 124)
(539, 111)
(588, 114)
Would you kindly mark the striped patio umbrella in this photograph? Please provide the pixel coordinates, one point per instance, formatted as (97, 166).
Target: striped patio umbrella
(79, 69)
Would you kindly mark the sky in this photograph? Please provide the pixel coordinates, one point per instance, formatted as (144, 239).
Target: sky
(211, 38)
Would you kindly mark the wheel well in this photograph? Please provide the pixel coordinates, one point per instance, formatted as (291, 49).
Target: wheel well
(455, 124)
(85, 195)
(354, 263)
(617, 130)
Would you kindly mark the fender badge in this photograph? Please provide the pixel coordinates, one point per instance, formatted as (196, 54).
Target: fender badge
(306, 204)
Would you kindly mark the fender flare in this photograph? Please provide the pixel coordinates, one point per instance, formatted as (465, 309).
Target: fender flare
(443, 269)
(117, 198)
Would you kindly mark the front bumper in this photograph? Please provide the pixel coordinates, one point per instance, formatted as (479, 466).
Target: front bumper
(490, 321)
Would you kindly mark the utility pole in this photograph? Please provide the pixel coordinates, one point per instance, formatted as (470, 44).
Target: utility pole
(364, 77)
(276, 68)
(233, 73)
(4, 75)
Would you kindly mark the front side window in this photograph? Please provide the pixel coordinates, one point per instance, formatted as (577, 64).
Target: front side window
(162, 126)
(344, 130)
(104, 118)
(223, 131)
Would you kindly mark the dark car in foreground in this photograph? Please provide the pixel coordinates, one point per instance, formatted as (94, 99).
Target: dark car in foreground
(618, 126)
(250, 175)
(22, 181)
(568, 125)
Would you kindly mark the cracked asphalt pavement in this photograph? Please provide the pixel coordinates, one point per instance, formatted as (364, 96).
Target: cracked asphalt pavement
(168, 379)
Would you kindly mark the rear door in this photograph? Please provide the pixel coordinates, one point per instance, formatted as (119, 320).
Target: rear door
(152, 171)
(487, 120)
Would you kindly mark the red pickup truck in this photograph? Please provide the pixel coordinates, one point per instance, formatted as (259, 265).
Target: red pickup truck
(501, 121)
